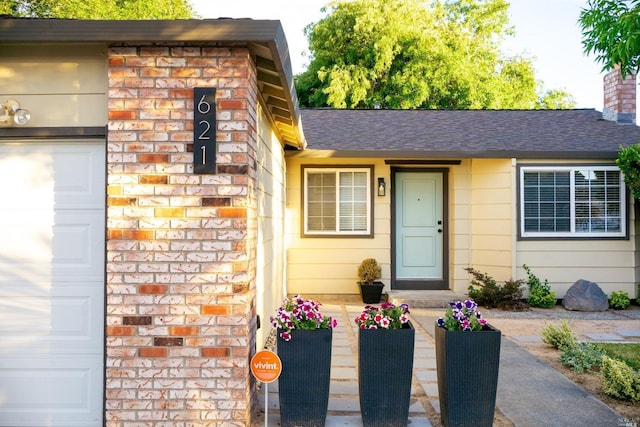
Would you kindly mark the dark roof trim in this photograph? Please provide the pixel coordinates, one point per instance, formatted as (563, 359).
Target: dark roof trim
(109, 31)
(421, 162)
(400, 155)
(264, 38)
(53, 132)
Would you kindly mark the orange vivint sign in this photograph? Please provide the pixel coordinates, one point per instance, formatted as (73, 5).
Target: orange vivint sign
(266, 366)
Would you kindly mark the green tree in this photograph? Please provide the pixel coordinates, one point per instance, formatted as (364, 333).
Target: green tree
(555, 99)
(415, 54)
(98, 9)
(611, 31)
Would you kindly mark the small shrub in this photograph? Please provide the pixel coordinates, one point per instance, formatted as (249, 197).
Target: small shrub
(620, 380)
(619, 300)
(581, 356)
(485, 291)
(540, 294)
(369, 270)
(559, 337)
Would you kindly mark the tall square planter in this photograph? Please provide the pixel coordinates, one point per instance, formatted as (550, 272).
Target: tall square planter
(467, 365)
(303, 385)
(385, 369)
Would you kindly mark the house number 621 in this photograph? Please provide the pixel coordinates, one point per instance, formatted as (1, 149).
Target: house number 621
(204, 130)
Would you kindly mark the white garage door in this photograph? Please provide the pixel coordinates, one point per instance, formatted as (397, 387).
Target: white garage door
(52, 199)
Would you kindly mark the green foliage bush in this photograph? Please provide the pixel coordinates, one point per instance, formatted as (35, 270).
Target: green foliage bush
(485, 291)
(629, 163)
(559, 337)
(619, 300)
(620, 380)
(581, 356)
(540, 294)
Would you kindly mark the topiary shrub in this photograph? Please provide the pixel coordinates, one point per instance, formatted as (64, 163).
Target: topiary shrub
(486, 292)
(369, 270)
(620, 380)
(540, 294)
(619, 300)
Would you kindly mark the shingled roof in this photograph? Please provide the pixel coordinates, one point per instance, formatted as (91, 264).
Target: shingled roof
(541, 134)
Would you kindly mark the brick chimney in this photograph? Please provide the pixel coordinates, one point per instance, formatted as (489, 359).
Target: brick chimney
(619, 97)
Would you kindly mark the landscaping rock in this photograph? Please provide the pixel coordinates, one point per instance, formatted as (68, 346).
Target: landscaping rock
(584, 295)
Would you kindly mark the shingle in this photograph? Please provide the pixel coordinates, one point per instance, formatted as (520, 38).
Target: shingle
(579, 133)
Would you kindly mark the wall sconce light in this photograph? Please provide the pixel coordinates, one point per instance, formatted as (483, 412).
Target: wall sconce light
(10, 112)
(382, 187)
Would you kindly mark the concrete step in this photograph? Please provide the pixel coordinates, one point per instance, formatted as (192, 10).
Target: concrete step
(424, 299)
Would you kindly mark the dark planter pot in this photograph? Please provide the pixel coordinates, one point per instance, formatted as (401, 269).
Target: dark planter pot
(371, 293)
(467, 365)
(303, 385)
(385, 369)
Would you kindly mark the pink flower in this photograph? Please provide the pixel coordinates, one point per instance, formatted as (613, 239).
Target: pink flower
(387, 316)
(385, 322)
(299, 313)
(285, 336)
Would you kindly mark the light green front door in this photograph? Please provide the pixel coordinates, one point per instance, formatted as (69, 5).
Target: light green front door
(419, 230)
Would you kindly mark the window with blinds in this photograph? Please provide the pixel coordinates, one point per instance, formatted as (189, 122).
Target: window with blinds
(580, 201)
(337, 201)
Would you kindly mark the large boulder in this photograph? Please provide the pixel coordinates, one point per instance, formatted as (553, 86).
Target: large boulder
(584, 295)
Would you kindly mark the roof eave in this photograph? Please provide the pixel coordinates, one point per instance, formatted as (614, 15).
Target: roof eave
(265, 39)
(311, 153)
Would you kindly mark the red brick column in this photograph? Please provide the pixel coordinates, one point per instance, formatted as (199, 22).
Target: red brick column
(180, 246)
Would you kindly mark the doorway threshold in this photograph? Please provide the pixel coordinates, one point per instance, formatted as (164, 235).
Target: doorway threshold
(424, 299)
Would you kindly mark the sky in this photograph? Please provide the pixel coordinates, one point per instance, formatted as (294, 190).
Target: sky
(546, 31)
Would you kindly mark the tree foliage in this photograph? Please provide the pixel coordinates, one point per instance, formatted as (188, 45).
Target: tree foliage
(611, 31)
(416, 54)
(98, 9)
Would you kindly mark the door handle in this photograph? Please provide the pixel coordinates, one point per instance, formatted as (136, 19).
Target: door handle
(439, 230)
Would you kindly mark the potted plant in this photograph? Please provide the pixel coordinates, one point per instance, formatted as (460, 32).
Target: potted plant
(304, 346)
(369, 272)
(467, 362)
(386, 341)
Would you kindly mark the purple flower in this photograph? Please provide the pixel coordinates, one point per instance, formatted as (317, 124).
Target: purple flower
(462, 316)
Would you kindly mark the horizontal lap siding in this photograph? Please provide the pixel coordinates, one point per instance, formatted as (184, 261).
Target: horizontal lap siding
(59, 85)
(610, 263)
(492, 221)
(328, 265)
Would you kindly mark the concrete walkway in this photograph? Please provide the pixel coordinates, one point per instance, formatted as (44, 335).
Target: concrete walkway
(530, 392)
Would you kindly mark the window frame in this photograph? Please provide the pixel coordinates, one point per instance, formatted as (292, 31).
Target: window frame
(369, 169)
(572, 234)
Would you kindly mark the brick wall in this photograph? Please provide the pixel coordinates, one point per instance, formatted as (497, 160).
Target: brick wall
(180, 247)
